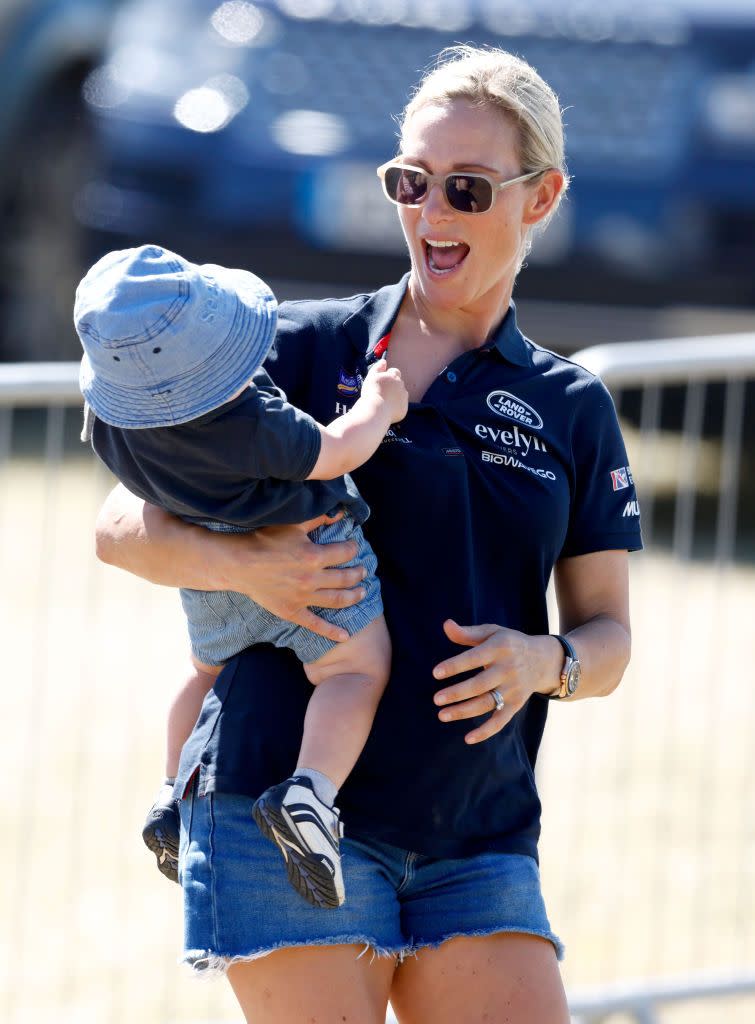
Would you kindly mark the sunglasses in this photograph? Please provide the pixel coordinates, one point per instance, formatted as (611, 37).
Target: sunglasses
(465, 192)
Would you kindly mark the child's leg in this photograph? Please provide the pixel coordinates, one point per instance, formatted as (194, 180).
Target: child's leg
(162, 828)
(298, 815)
(185, 709)
(349, 681)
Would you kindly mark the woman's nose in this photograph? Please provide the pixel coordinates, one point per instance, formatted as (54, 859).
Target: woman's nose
(435, 207)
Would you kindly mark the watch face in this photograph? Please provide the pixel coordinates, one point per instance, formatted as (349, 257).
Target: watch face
(572, 680)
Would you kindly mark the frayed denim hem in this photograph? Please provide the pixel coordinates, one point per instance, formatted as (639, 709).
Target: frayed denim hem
(207, 964)
(558, 945)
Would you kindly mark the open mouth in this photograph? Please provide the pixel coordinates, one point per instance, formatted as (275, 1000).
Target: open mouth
(444, 258)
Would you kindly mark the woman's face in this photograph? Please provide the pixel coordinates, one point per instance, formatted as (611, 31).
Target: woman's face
(480, 270)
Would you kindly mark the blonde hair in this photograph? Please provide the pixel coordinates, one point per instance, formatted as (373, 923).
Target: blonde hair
(498, 79)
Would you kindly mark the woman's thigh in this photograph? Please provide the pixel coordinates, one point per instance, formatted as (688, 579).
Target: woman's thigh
(508, 977)
(327, 984)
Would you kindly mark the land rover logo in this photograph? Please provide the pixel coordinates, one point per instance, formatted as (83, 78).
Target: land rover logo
(514, 408)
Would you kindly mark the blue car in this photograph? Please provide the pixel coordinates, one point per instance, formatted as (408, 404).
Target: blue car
(249, 133)
(47, 50)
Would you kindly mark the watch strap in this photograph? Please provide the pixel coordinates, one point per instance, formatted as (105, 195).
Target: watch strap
(566, 644)
(571, 655)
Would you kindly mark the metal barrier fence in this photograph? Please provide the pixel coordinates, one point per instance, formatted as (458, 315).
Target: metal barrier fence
(676, 815)
(649, 815)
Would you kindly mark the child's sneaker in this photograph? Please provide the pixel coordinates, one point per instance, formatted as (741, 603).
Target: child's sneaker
(306, 831)
(161, 832)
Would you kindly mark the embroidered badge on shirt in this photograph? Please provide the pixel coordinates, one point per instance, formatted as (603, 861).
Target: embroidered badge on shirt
(621, 478)
(513, 408)
(349, 384)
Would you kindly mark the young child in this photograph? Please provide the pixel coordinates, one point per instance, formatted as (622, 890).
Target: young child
(178, 407)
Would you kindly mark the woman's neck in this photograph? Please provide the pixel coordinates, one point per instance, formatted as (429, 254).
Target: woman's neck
(471, 327)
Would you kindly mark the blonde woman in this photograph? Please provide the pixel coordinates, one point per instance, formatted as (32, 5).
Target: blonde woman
(508, 466)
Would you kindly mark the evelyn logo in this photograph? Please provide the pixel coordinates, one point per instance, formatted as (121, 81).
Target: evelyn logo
(514, 408)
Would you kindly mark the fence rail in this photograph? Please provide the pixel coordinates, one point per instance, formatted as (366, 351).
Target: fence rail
(649, 822)
(34, 385)
(715, 357)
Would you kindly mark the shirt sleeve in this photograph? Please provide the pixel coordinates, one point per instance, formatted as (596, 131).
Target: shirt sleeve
(284, 441)
(604, 513)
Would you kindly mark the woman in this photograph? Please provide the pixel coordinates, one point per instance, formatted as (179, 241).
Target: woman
(509, 463)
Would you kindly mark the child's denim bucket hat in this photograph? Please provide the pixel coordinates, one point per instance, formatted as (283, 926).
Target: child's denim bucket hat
(166, 340)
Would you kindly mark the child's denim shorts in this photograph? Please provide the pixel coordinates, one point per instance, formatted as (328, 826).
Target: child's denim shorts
(222, 623)
(239, 905)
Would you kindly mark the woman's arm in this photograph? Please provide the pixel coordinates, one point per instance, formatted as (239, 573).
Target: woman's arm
(278, 566)
(593, 602)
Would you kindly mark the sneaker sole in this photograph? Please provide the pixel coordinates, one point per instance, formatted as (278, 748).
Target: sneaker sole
(306, 872)
(165, 851)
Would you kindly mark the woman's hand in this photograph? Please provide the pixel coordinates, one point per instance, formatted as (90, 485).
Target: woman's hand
(289, 572)
(593, 605)
(514, 664)
(279, 567)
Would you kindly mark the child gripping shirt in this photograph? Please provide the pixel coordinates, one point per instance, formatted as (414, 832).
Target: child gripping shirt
(180, 410)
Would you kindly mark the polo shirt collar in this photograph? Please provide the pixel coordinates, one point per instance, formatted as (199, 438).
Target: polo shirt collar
(375, 319)
(509, 341)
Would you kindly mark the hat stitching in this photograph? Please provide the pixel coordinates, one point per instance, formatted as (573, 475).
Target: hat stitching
(239, 335)
(151, 331)
(250, 325)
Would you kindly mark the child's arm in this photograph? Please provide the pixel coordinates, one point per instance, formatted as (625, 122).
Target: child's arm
(351, 439)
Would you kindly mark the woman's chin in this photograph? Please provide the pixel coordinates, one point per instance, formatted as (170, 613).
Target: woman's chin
(446, 290)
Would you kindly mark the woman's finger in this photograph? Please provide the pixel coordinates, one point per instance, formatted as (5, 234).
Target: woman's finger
(339, 598)
(482, 682)
(317, 625)
(477, 657)
(494, 724)
(311, 524)
(473, 708)
(469, 636)
(340, 579)
(328, 555)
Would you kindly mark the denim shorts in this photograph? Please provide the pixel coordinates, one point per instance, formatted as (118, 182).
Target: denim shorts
(239, 905)
(222, 623)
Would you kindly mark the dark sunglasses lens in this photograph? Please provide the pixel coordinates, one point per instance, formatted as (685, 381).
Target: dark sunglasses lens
(469, 193)
(405, 186)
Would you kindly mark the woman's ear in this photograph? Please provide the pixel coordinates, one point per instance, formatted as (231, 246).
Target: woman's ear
(544, 196)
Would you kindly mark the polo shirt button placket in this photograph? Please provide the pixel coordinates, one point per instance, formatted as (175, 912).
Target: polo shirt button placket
(451, 377)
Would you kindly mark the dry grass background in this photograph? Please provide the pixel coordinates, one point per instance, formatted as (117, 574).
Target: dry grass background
(648, 852)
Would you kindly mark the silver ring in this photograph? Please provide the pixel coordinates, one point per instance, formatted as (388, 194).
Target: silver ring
(497, 700)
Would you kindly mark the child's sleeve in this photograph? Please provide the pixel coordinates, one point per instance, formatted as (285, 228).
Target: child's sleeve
(604, 512)
(284, 441)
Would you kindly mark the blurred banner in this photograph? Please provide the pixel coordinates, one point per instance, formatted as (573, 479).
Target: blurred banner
(249, 133)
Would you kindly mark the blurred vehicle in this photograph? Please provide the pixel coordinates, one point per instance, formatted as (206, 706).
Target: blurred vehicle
(47, 48)
(249, 133)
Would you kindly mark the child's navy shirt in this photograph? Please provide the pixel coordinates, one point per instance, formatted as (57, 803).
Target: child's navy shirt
(512, 460)
(244, 464)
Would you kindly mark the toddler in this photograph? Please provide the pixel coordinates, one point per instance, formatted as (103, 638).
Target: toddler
(180, 410)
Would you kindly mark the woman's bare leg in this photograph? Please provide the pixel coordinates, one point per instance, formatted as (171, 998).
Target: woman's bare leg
(324, 984)
(508, 978)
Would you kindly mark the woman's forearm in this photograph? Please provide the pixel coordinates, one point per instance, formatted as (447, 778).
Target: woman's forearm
(149, 542)
(279, 567)
(603, 647)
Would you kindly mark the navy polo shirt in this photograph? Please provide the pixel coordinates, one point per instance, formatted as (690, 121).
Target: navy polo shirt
(243, 464)
(512, 460)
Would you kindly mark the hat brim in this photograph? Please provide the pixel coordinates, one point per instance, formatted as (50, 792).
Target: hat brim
(203, 387)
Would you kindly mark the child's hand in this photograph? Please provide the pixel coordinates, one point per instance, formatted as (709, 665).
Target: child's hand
(387, 384)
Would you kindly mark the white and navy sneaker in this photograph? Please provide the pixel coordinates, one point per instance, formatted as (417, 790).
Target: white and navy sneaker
(306, 831)
(161, 832)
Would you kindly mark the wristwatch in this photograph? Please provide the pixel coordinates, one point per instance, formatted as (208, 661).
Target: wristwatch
(570, 673)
